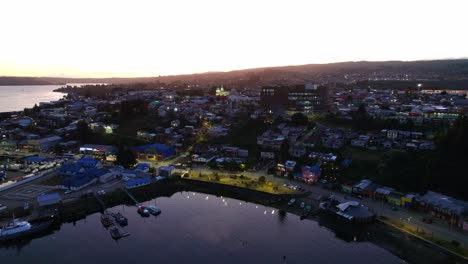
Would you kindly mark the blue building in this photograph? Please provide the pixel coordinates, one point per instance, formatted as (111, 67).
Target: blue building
(49, 199)
(89, 162)
(137, 183)
(154, 152)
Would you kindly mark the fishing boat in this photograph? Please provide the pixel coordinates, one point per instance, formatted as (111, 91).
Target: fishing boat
(18, 228)
(119, 218)
(115, 232)
(106, 220)
(153, 209)
(143, 211)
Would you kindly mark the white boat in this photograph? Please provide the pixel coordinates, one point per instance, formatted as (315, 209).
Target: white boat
(291, 202)
(153, 209)
(19, 228)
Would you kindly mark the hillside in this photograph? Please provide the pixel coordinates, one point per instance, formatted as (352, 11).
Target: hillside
(363, 70)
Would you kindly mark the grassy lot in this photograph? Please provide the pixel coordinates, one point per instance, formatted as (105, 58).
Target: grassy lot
(362, 154)
(244, 182)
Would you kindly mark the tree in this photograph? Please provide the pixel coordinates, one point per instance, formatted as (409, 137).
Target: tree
(125, 157)
(362, 110)
(262, 179)
(284, 150)
(83, 131)
(299, 119)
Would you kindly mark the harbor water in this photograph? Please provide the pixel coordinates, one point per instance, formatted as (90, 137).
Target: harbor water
(198, 228)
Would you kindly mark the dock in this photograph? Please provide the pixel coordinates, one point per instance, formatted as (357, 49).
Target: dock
(101, 203)
(131, 197)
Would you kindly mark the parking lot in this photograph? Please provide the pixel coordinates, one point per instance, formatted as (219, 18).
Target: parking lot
(27, 192)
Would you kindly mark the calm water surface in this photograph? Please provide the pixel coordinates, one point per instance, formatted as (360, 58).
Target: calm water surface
(198, 228)
(16, 98)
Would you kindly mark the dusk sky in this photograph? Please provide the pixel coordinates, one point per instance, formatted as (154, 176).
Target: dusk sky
(149, 38)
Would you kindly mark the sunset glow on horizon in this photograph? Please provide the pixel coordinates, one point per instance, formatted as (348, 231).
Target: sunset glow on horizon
(149, 38)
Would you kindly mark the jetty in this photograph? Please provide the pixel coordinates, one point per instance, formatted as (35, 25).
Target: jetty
(131, 197)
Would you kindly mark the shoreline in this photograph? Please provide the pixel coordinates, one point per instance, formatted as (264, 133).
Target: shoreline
(401, 244)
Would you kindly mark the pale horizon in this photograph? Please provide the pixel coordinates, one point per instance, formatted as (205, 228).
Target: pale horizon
(150, 38)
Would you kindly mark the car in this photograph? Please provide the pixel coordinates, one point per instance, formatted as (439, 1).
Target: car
(67, 192)
(394, 208)
(101, 192)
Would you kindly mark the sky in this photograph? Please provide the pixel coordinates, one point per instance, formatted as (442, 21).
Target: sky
(130, 38)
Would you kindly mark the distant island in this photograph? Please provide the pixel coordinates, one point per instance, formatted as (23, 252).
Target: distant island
(447, 70)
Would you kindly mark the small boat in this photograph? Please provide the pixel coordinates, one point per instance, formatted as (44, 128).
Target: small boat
(18, 228)
(153, 209)
(115, 232)
(106, 220)
(119, 218)
(143, 211)
(291, 202)
(306, 211)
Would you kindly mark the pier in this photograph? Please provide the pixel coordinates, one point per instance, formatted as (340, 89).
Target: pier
(101, 203)
(131, 197)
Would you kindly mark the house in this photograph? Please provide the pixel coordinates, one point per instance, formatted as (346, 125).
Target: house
(394, 198)
(407, 200)
(144, 167)
(202, 158)
(165, 171)
(154, 152)
(89, 163)
(444, 207)
(70, 168)
(361, 186)
(137, 183)
(297, 151)
(44, 144)
(267, 155)
(49, 199)
(78, 181)
(382, 192)
(289, 165)
(98, 151)
(311, 174)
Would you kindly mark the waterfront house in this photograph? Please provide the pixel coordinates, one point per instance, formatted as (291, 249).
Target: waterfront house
(165, 171)
(137, 183)
(394, 198)
(446, 208)
(361, 186)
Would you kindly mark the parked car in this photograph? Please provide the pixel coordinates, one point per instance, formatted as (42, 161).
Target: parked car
(67, 191)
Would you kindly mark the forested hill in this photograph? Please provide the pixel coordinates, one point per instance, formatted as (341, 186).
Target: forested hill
(362, 70)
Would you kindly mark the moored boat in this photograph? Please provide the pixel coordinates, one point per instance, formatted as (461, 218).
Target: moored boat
(115, 232)
(18, 228)
(119, 218)
(143, 211)
(106, 220)
(153, 209)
